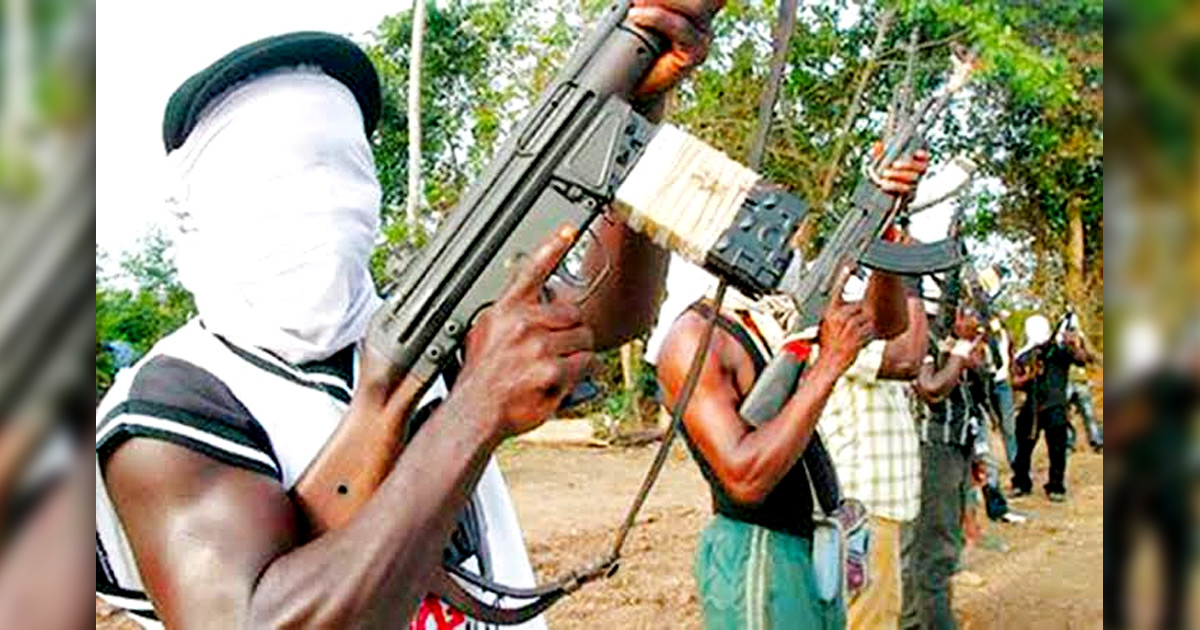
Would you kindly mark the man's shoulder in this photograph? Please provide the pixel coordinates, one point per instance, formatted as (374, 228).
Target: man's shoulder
(687, 333)
(170, 396)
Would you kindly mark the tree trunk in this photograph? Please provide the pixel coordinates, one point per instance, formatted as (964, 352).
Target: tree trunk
(416, 51)
(864, 77)
(1073, 260)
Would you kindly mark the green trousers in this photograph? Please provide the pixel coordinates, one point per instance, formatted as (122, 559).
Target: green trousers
(753, 578)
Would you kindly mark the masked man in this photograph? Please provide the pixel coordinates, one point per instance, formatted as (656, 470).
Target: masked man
(200, 443)
(1041, 371)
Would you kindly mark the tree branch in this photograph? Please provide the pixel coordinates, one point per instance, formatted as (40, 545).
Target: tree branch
(864, 76)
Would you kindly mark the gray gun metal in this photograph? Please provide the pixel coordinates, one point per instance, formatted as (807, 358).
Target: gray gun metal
(857, 240)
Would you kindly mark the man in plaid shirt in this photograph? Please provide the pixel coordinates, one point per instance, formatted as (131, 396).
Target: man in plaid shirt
(870, 433)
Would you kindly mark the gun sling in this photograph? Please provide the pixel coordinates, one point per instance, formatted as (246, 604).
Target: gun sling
(579, 153)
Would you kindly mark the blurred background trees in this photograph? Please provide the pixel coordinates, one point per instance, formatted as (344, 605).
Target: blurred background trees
(1033, 120)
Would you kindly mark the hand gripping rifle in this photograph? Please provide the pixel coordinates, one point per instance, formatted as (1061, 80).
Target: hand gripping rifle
(858, 240)
(582, 150)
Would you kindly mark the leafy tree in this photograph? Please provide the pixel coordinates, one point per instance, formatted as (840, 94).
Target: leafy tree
(1032, 118)
(140, 307)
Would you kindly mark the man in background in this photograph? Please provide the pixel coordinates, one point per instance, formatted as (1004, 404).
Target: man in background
(948, 436)
(1079, 397)
(762, 531)
(1041, 371)
(872, 438)
(1001, 387)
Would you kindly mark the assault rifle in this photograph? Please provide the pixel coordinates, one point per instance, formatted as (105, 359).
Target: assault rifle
(582, 149)
(857, 240)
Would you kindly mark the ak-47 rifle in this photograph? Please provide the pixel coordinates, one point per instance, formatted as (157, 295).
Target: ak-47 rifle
(582, 150)
(857, 240)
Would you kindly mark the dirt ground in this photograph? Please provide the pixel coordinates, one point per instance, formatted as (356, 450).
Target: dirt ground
(1047, 573)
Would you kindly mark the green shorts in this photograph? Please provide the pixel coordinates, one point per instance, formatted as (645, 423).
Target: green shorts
(753, 578)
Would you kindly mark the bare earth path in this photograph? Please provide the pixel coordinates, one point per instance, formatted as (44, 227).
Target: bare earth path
(571, 499)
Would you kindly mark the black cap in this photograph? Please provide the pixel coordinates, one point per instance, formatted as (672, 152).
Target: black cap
(339, 57)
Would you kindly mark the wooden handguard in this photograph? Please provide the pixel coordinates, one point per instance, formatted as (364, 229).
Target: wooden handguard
(356, 459)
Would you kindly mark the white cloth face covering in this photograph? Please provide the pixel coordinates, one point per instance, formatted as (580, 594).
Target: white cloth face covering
(1037, 331)
(278, 207)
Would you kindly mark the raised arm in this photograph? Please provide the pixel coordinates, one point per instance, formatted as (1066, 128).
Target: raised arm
(750, 462)
(626, 303)
(902, 356)
(1078, 347)
(886, 294)
(933, 384)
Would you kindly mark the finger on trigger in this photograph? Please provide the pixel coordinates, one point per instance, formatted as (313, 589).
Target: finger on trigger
(538, 267)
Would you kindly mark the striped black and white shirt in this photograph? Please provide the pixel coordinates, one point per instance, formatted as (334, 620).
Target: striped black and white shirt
(956, 420)
(248, 408)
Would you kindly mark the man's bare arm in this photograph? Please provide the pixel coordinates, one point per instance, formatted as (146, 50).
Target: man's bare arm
(1022, 375)
(934, 385)
(626, 303)
(886, 304)
(751, 462)
(1078, 347)
(748, 462)
(218, 546)
(903, 355)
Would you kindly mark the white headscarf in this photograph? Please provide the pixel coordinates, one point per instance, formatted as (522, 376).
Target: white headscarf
(1037, 331)
(279, 209)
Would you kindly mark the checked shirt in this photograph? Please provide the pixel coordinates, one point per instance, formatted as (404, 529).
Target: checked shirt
(871, 435)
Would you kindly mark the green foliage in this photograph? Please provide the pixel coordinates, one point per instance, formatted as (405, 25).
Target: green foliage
(1032, 118)
(140, 315)
(475, 72)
